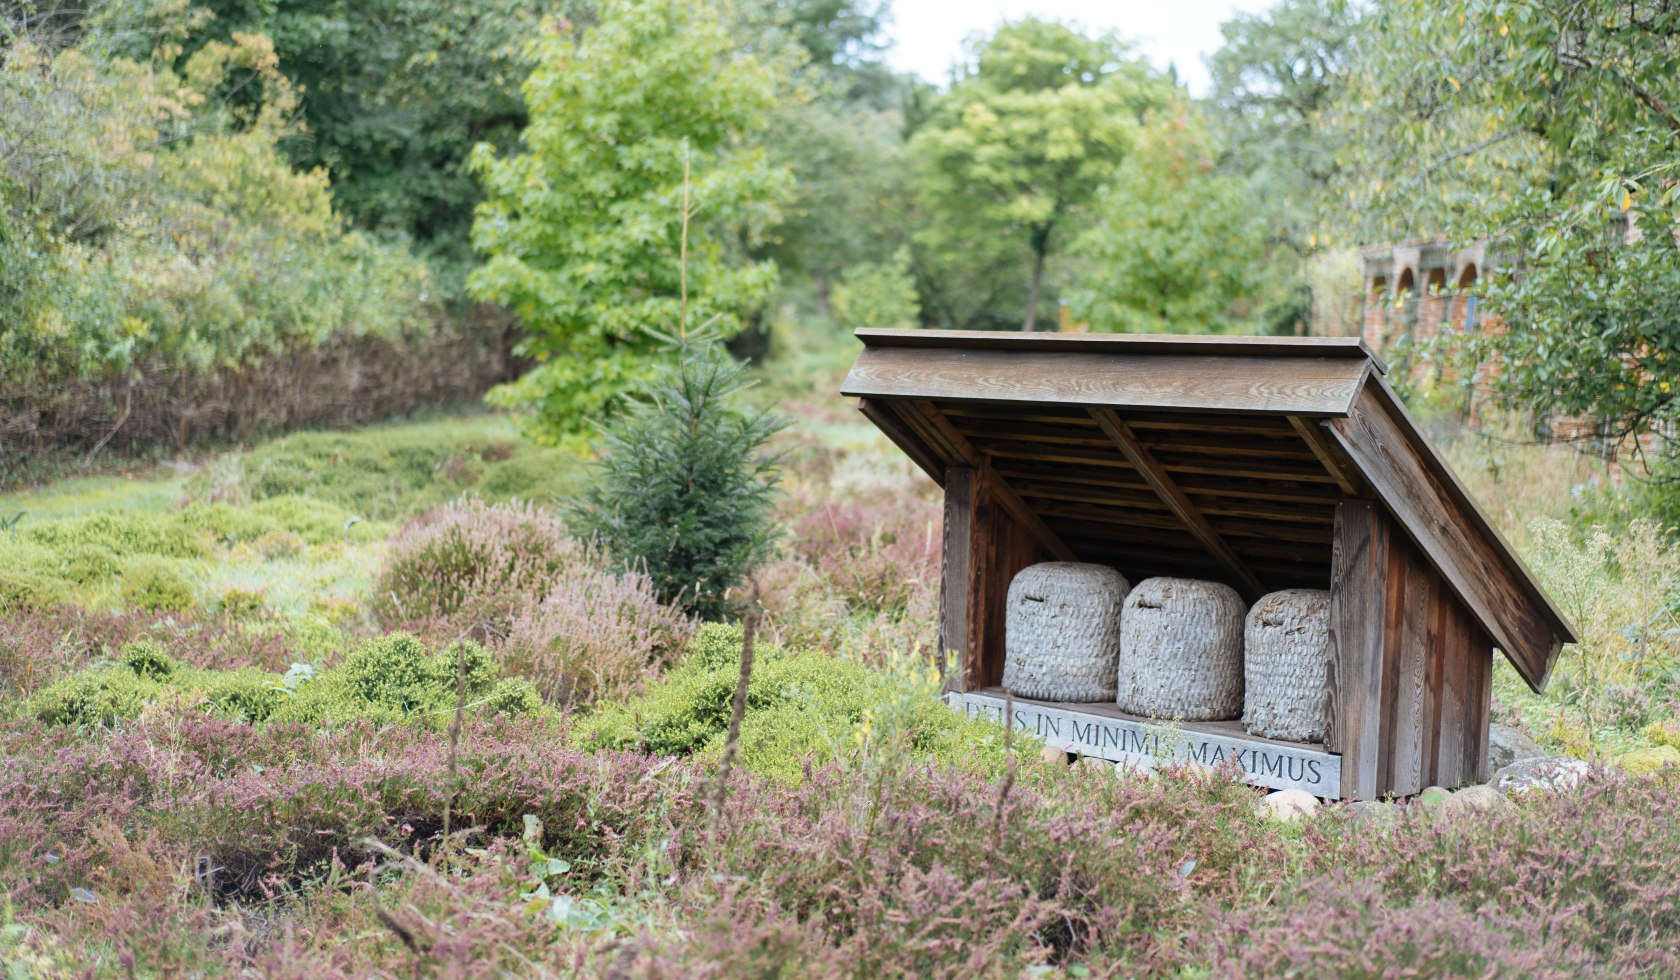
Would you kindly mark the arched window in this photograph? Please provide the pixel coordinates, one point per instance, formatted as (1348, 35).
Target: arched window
(1467, 282)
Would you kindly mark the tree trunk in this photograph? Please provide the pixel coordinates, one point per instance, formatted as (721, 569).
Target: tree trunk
(1041, 246)
(819, 283)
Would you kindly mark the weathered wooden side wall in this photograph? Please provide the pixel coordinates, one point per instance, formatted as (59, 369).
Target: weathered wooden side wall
(1410, 671)
(984, 548)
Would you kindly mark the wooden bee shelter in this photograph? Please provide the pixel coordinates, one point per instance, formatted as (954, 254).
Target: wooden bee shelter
(1261, 463)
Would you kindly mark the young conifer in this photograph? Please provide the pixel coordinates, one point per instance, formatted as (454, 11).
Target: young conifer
(685, 486)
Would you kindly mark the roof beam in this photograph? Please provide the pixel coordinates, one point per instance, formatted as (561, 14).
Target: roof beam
(1156, 476)
(940, 433)
(907, 441)
(1336, 462)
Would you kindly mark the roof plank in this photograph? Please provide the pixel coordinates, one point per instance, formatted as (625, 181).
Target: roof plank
(936, 430)
(1273, 385)
(1112, 343)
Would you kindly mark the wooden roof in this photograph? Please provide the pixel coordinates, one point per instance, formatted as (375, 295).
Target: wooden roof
(1209, 457)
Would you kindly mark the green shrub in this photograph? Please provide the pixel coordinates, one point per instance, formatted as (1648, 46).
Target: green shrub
(244, 694)
(314, 521)
(718, 645)
(28, 591)
(103, 696)
(388, 680)
(87, 564)
(398, 671)
(801, 706)
(153, 586)
(514, 696)
(147, 658)
(123, 534)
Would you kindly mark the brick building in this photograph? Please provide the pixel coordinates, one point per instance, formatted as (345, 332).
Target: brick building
(1421, 290)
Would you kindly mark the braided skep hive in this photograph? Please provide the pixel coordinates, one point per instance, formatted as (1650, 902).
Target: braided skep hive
(1062, 631)
(1287, 641)
(1181, 651)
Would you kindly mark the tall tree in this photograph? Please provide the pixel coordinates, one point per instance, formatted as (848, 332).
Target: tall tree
(630, 203)
(1551, 128)
(1033, 125)
(1175, 245)
(1277, 79)
(394, 94)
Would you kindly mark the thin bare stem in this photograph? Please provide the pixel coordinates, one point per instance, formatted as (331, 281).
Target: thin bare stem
(738, 710)
(1009, 768)
(682, 259)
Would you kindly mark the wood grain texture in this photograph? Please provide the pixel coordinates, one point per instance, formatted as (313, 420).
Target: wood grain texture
(998, 548)
(1335, 461)
(1408, 705)
(907, 441)
(1346, 347)
(1358, 606)
(1144, 462)
(956, 574)
(1480, 706)
(1262, 385)
(1453, 663)
(933, 429)
(1481, 571)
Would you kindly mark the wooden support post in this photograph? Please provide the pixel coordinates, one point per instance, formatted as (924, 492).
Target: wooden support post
(1158, 479)
(1358, 605)
(984, 548)
(956, 577)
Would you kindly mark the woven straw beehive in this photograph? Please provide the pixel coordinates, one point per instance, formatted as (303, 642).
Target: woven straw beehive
(1062, 631)
(1287, 656)
(1181, 651)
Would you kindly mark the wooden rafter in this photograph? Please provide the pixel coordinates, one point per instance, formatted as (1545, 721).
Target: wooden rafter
(1335, 461)
(1158, 479)
(938, 432)
(906, 440)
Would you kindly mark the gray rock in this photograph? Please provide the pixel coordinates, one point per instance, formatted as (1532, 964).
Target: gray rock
(1476, 799)
(1551, 772)
(1434, 795)
(1091, 762)
(1375, 813)
(1054, 756)
(1289, 805)
(1507, 745)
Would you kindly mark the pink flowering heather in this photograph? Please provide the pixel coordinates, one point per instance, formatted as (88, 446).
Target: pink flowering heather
(465, 567)
(877, 551)
(37, 648)
(596, 634)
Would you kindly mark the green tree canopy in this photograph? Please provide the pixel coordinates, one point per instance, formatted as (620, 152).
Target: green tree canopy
(1549, 129)
(392, 95)
(585, 231)
(1014, 151)
(1176, 245)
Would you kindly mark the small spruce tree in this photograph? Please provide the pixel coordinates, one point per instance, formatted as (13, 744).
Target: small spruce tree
(685, 486)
